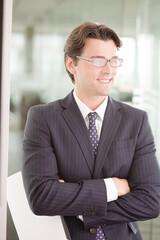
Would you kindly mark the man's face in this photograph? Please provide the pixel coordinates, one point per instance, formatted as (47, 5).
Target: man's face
(91, 81)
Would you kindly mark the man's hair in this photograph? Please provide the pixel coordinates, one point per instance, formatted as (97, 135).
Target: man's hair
(76, 40)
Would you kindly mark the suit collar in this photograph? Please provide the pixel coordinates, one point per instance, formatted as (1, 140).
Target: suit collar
(110, 126)
(69, 100)
(85, 110)
(76, 123)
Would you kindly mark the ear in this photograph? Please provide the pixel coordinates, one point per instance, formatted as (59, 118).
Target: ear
(70, 65)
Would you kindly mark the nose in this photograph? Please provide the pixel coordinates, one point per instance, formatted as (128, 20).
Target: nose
(107, 68)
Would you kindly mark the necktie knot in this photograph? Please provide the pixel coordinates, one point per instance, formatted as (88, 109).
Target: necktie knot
(92, 117)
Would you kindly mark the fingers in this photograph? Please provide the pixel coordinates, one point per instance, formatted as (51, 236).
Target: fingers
(122, 186)
(61, 180)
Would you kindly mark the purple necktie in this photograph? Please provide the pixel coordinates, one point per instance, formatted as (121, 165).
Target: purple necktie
(93, 134)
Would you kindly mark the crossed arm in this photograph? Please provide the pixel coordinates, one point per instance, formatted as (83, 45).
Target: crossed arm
(121, 185)
(138, 200)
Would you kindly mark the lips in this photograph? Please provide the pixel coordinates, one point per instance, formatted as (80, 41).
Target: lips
(104, 80)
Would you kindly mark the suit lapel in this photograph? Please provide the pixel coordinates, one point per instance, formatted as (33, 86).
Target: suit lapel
(110, 126)
(76, 123)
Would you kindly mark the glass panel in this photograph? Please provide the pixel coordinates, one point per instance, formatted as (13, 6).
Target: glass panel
(38, 75)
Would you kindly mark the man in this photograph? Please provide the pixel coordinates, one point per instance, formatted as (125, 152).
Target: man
(88, 157)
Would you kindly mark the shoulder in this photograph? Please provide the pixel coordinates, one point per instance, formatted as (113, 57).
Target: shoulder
(57, 105)
(127, 107)
(128, 111)
(52, 109)
(45, 109)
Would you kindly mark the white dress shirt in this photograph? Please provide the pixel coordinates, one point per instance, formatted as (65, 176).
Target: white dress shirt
(110, 186)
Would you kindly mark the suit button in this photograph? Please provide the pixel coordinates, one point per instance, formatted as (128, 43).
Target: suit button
(93, 230)
(85, 213)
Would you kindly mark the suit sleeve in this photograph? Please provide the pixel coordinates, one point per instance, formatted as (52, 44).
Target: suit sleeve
(46, 196)
(143, 202)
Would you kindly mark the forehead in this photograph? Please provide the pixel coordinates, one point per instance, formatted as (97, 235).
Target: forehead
(97, 47)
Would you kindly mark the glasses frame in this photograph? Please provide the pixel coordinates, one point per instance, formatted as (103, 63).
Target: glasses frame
(90, 60)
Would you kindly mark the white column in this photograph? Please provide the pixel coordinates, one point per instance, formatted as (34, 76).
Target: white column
(4, 127)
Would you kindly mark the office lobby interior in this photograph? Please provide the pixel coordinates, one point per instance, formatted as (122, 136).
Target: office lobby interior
(38, 75)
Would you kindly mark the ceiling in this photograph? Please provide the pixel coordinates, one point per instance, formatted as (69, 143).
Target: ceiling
(125, 16)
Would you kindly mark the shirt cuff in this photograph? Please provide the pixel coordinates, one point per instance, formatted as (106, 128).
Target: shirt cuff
(80, 217)
(112, 193)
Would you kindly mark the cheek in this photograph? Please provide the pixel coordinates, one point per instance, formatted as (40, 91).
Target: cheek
(88, 73)
(115, 72)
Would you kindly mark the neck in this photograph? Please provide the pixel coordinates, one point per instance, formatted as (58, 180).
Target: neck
(92, 102)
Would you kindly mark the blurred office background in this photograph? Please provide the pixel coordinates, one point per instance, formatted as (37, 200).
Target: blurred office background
(38, 75)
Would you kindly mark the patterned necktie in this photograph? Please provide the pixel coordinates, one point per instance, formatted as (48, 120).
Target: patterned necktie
(93, 134)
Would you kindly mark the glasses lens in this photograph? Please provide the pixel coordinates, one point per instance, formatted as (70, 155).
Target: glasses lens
(116, 62)
(98, 62)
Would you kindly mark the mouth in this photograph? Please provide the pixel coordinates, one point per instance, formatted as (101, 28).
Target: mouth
(104, 80)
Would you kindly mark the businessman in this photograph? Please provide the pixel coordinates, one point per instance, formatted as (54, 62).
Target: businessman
(89, 157)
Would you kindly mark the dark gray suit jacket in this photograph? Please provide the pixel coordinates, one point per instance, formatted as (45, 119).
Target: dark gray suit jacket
(57, 145)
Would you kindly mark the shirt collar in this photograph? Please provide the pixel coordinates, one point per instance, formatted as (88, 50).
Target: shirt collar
(86, 110)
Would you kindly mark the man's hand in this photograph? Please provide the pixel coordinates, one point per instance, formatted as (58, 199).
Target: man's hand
(121, 185)
(61, 180)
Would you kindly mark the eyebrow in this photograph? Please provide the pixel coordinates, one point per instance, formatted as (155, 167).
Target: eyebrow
(102, 57)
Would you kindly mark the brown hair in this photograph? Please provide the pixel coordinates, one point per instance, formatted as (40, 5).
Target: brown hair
(76, 40)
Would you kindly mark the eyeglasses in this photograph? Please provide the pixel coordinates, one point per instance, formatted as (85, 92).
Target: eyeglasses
(101, 62)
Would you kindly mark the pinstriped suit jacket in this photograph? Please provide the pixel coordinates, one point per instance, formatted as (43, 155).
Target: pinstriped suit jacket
(56, 145)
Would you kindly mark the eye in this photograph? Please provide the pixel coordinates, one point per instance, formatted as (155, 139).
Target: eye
(99, 62)
(115, 61)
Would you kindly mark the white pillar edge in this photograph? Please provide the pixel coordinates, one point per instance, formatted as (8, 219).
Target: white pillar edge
(5, 100)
